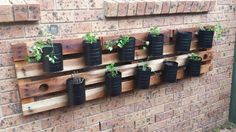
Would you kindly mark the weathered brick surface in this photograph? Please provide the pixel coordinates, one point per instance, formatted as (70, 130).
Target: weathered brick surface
(193, 104)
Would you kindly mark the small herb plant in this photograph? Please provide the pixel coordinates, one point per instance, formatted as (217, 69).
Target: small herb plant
(218, 29)
(76, 78)
(155, 31)
(112, 69)
(123, 41)
(195, 57)
(37, 49)
(90, 38)
(144, 65)
(110, 44)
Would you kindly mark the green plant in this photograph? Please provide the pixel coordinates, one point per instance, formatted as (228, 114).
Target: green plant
(227, 125)
(195, 57)
(112, 69)
(90, 38)
(123, 41)
(37, 49)
(110, 44)
(218, 29)
(155, 31)
(144, 65)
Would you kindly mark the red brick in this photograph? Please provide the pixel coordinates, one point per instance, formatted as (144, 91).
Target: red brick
(6, 60)
(46, 4)
(149, 22)
(173, 6)
(33, 10)
(108, 124)
(83, 27)
(212, 5)
(10, 109)
(111, 8)
(10, 121)
(123, 110)
(8, 85)
(165, 7)
(6, 11)
(196, 6)
(104, 25)
(92, 128)
(7, 72)
(112, 104)
(181, 6)
(88, 15)
(130, 23)
(144, 122)
(158, 7)
(150, 6)
(99, 117)
(65, 4)
(47, 17)
(122, 8)
(188, 6)
(132, 8)
(141, 5)
(205, 6)
(20, 10)
(63, 16)
(71, 126)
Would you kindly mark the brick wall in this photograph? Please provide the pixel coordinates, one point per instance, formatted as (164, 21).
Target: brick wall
(193, 104)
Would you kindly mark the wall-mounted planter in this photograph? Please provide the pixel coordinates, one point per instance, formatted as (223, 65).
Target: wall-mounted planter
(49, 66)
(92, 53)
(193, 67)
(170, 71)
(113, 84)
(142, 78)
(126, 54)
(205, 38)
(155, 48)
(183, 42)
(76, 91)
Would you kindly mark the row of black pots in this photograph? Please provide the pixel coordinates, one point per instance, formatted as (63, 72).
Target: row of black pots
(93, 57)
(76, 91)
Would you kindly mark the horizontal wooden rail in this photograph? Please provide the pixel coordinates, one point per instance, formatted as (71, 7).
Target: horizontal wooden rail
(92, 94)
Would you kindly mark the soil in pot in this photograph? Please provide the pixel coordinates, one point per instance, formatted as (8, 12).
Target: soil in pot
(142, 78)
(126, 54)
(92, 53)
(113, 84)
(193, 67)
(49, 66)
(205, 39)
(170, 71)
(76, 92)
(155, 48)
(183, 42)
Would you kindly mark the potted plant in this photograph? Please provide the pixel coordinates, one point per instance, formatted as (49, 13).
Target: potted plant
(92, 49)
(142, 76)
(193, 67)
(156, 42)
(170, 71)
(76, 90)
(49, 53)
(206, 34)
(113, 80)
(183, 41)
(126, 50)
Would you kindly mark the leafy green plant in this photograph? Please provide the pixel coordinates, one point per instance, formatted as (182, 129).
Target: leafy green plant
(155, 31)
(90, 38)
(144, 65)
(195, 57)
(37, 49)
(123, 41)
(112, 69)
(218, 29)
(110, 44)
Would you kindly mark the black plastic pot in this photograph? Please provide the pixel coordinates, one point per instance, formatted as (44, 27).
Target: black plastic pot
(205, 39)
(126, 54)
(170, 71)
(155, 48)
(92, 53)
(142, 78)
(193, 67)
(76, 92)
(49, 66)
(113, 84)
(183, 42)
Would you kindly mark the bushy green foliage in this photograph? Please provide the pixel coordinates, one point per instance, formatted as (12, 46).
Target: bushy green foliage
(144, 65)
(123, 41)
(195, 57)
(218, 29)
(155, 31)
(112, 69)
(90, 38)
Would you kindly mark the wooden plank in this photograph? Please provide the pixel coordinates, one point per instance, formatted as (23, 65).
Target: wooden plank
(26, 70)
(91, 94)
(31, 88)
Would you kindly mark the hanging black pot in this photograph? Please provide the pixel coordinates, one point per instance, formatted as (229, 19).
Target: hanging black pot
(183, 42)
(142, 78)
(126, 54)
(48, 66)
(170, 71)
(205, 39)
(113, 84)
(92, 53)
(76, 91)
(193, 67)
(155, 48)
